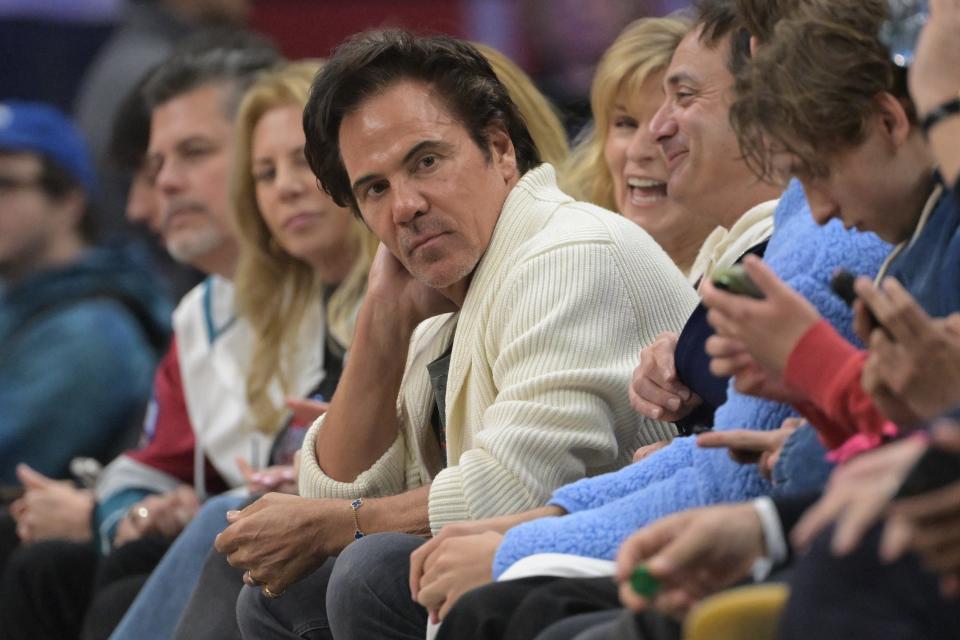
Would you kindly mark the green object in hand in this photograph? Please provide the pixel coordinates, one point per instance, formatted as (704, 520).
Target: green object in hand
(643, 583)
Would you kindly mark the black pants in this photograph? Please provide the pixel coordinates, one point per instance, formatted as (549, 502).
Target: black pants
(47, 588)
(521, 609)
(9, 540)
(860, 596)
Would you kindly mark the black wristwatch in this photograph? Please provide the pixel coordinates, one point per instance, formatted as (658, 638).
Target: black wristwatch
(944, 111)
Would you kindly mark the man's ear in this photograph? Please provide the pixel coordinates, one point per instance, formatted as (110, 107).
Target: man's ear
(502, 152)
(71, 208)
(894, 119)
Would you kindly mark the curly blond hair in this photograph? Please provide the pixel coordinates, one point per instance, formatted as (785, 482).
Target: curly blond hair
(644, 47)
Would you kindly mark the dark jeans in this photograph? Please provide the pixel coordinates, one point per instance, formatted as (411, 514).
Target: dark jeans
(860, 596)
(211, 611)
(47, 588)
(521, 609)
(360, 595)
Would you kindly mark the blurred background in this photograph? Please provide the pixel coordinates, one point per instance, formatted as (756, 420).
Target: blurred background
(48, 46)
(84, 56)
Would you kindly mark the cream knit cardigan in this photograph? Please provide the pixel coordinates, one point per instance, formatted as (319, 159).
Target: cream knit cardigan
(557, 312)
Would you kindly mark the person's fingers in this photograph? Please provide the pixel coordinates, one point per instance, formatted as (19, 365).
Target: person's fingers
(930, 505)
(717, 299)
(245, 469)
(226, 541)
(723, 323)
(817, 518)
(680, 554)
(862, 322)
(941, 559)
(31, 479)
(417, 559)
(724, 347)
(764, 277)
(644, 543)
(631, 599)
(24, 532)
(649, 392)
(854, 522)
(903, 317)
(764, 466)
(432, 593)
(940, 531)
(741, 439)
(648, 450)
(897, 533)
(952, 323)
(731, 366)
(306, 411)
(770, 464)
(645, 408)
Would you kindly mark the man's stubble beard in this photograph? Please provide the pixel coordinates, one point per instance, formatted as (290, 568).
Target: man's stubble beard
(194, 244)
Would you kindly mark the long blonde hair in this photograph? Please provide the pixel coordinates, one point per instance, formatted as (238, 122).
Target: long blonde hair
(644, 47)
(540, 116)
(275, 289)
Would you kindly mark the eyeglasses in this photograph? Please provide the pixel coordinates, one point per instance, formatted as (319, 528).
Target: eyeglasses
(10, 184)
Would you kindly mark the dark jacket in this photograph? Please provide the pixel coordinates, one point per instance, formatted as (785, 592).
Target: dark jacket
(78, 346)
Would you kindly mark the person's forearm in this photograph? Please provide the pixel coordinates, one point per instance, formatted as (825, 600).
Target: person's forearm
(407, 513)
(361, 423)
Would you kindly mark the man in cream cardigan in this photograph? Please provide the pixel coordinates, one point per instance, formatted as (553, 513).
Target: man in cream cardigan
(493, 349)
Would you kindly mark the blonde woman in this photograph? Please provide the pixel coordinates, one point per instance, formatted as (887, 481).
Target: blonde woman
(618, 164)
(301, 276)
(541, 118)
(303, 260)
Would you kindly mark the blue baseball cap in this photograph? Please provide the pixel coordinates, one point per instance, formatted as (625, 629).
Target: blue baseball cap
(42, 129)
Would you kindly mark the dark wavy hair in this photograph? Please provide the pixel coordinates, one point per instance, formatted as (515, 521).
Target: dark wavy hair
(370, 62)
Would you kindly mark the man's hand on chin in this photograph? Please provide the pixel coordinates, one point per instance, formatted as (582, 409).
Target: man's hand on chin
(390, 284)
(280, 538)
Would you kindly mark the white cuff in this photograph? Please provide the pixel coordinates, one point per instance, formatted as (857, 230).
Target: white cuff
(773, 538)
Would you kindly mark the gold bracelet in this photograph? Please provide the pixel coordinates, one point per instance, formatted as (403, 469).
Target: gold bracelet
(355, 505)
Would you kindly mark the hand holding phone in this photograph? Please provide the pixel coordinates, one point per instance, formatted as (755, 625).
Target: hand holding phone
(842, 285)
(935, 469)
(736, 280)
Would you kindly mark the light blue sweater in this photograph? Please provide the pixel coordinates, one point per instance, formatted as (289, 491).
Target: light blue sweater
(604, 510)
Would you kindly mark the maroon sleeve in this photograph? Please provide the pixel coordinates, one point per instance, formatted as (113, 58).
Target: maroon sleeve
(168, 434)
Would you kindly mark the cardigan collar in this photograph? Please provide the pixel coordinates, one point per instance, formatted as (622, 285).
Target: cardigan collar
(522, 216)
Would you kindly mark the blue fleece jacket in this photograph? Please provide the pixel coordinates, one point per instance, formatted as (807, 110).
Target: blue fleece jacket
(604, 510)
(78, 346)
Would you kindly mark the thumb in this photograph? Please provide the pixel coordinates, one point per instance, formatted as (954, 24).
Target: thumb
(762, 276)
(32, 479)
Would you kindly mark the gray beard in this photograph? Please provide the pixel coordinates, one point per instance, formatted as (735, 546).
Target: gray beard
(186, 250)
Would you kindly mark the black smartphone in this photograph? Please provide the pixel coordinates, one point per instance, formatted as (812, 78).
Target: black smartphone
(735, 280)
(841, 283)
(936, 468)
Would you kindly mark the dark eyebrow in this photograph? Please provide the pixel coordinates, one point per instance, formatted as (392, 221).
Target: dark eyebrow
(409, 155)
